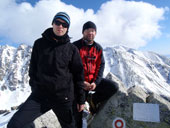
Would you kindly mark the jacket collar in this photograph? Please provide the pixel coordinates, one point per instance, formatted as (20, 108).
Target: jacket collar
(49, 35)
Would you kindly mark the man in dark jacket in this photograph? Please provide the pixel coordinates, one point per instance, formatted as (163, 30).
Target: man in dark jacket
(93, 62)
(55, 71)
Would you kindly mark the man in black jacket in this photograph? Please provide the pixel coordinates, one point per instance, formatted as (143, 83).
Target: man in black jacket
(55, 71)
(93, 62)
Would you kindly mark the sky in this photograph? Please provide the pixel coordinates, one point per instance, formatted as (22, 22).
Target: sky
(139, 24)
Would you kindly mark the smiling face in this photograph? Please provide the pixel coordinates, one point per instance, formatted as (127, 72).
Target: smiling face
(59, 27)
(89, 34)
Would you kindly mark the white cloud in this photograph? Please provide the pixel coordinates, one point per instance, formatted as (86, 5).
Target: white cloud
(119, 22)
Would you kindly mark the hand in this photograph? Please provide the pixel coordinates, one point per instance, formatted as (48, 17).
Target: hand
(80, 107)
(86, 85)
(92, 86)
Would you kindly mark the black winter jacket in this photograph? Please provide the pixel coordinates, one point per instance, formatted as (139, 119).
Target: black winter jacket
(56, 68)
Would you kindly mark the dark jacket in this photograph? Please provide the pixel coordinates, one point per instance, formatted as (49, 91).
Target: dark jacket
(93, 60)
(56, 68)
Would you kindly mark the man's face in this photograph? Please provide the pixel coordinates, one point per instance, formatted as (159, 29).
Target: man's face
(60, 27)
(89, 34)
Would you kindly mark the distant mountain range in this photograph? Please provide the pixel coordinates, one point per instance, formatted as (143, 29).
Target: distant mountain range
(149, 70)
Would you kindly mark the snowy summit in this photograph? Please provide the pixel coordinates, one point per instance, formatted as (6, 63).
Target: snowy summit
(148, 70)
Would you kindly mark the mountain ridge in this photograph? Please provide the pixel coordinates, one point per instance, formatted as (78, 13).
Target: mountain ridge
(149, 70)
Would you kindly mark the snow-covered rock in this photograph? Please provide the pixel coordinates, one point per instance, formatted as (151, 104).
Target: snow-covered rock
(14, 65)
(148, 70)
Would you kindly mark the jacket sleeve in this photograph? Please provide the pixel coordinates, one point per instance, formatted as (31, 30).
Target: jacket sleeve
(33, 67)
(78, 76)
(99, 68)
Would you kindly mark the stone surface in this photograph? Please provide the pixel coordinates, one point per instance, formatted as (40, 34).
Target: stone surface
(121, 105)
(48, 120)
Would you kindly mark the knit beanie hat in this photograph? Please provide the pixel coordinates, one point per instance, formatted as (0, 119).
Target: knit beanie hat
(63, 16)
(88, 25)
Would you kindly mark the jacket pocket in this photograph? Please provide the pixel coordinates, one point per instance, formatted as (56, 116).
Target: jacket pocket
(60, 89)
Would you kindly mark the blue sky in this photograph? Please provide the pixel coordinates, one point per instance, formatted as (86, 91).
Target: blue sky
(139, 24)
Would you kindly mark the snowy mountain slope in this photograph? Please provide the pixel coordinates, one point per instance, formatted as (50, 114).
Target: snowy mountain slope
(149, 70)
(14, 75)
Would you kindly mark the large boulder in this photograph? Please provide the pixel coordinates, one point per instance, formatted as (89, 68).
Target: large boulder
(120, 105)
(48, 120)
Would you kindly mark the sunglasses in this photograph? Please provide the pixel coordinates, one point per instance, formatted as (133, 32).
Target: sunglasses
(58, 23)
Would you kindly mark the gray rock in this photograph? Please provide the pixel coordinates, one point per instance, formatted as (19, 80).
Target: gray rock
(121, 105)
(48, 120)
